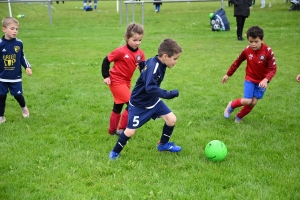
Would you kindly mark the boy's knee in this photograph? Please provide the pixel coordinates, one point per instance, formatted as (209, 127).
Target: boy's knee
(171, 121)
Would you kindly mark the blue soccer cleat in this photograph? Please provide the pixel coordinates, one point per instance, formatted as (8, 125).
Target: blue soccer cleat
(228, 110)
(170, 146)
(238, 120)
(113, 155)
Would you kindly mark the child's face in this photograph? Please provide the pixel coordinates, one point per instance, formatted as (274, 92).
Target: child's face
(255, 43)
(11, 31)
(135, 41)
(170, 61)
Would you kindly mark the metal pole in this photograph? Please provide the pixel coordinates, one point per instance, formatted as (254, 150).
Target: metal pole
(133, 12)
(9, 8)
(120, 8)
(126, 14)
(50, 12)
(143, 13)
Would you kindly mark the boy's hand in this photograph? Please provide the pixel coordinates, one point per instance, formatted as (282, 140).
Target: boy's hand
(225, 78)
(263, 83)
(107, 81)
(28, 71)
(298, 78)
(174, 93)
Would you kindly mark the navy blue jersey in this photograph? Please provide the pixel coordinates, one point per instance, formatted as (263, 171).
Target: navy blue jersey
(11, 59)
(147, 91)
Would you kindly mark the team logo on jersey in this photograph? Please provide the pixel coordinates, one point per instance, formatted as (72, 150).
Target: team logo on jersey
(138, 58)
(145, 68)
(126, 56)
(250, 56)
(262, 57)
(17, 49)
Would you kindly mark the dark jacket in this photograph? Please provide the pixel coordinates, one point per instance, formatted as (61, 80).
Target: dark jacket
(242, 7)
(158, 2)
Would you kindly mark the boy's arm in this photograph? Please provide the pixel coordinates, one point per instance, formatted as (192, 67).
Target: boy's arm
(153, 88)
(24, 61)
(271, 66)
(236, 63)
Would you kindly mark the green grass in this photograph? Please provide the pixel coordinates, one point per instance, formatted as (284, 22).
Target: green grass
(61, 151)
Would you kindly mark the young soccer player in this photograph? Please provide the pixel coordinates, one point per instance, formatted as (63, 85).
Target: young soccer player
(12, 58)
(260, 69)
(126, 59)
(145, 102)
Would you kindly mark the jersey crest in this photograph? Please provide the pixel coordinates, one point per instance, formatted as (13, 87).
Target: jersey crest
(138, 58)
(17, 49)
(262, 57)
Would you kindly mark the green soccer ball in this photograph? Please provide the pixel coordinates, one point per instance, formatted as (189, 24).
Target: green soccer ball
(216, 150)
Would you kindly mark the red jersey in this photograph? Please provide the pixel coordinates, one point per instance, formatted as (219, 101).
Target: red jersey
(260, 64)
(125, 63)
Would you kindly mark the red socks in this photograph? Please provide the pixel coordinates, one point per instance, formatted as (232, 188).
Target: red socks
(124, 119)
(236, 103)
(113, 122)
(244, 111)
(115, 119)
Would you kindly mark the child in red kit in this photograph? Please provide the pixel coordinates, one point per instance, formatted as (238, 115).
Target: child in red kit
(260, 69)
(126, 59)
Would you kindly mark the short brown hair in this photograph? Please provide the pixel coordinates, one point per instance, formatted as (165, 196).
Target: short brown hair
(9, 20)
(169, 47)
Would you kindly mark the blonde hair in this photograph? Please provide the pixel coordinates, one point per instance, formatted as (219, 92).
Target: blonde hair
(132, 29)
(9, 20)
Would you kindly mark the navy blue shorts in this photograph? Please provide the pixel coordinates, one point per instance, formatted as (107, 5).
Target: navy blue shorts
(137, 117)
(253, 90)
(15, 88)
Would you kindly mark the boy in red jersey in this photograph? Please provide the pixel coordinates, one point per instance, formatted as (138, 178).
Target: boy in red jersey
(126, 59)
(261, 68)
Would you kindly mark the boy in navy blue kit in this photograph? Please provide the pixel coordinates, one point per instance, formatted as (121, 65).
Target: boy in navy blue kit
(145, 102)
(12, 58)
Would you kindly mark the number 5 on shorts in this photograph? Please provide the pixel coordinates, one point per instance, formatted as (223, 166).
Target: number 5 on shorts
(135, 121)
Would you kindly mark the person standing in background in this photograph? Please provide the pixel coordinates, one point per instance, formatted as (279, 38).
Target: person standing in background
(157, 5)
(241, 12)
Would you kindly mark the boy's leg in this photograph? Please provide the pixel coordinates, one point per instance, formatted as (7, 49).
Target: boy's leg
(20, 99)
(2, 104)
(2, 108)
(244, 111)
(122, 141)
(170, 120)
(95, 4)
(231, 106)
(164, 144)
(166, 134)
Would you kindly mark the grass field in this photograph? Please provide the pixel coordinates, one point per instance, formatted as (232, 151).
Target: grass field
(61, 151)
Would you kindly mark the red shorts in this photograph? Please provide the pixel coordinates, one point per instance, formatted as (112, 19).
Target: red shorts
(121, 92)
